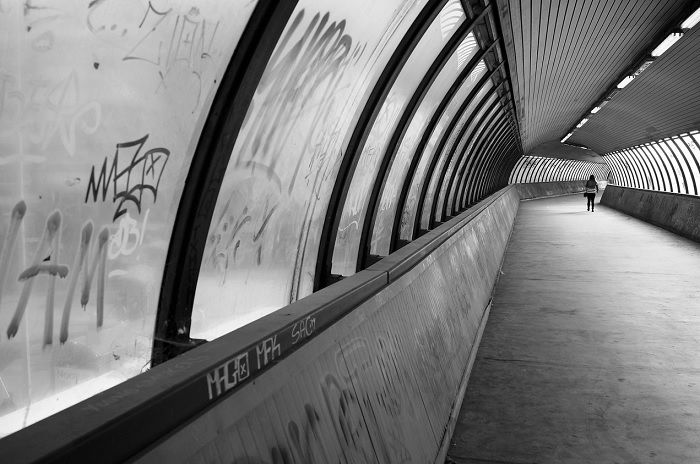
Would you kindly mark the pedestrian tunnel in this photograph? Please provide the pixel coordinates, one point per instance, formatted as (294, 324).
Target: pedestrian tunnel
(249, 230)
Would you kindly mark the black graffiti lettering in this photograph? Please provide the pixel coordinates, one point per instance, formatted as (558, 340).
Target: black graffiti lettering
(143, 173)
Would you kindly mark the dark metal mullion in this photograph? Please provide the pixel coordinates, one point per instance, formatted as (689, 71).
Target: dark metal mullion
(400, 130)
(661, 143)
(496, 178)
(643, 182)
(427, 133)
(634, 175)
(491, 167)
(453, 149)
(551, 170)
(611, 161)
(527, 170)
(358, 138)
(661, 164)
(466, 158)
(505, 167)
(473, 192)
(438, 150)
(690, 170)
(540, 170)
(658, 173)
(488, 151)
(627, 167)
(652, 166)
(624, 173)
(515, 172)
(491, 136)
(483, 137)
(651, 172)
(489, 112)
(205, 176)
(662, 154)
(694, 142)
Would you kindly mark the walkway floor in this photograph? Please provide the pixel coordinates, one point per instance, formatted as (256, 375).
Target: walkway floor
(592, 350)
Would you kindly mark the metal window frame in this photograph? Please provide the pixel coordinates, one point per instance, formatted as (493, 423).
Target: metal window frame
(425, 137)
(205, 176)
(441, 145)
(364, 256)
(324, 262)
(473, 123)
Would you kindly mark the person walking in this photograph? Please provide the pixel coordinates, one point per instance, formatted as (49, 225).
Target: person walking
(591, 189)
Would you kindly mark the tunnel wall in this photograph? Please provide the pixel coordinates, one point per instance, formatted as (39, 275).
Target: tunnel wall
(365, 370)
(380, 384)
(672, 211)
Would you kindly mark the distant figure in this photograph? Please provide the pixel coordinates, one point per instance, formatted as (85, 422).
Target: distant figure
(591, 189)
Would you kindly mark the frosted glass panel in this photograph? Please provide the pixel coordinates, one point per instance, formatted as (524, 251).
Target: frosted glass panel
(101, 106)
(349, 229)
(465, 152)
(409, 210)
(447, 151)
(264, 238)
(677, 165)
(459, 157)
(683, 151)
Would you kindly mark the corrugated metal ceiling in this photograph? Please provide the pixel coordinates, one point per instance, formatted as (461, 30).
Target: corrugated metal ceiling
(564, 54)
(663, 101)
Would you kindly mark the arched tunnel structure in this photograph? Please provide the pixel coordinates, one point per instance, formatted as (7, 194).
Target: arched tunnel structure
(269, 231)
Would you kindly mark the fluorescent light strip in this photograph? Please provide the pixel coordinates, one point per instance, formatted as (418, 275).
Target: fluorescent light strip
(692, 20)
(595, 110)
(566, 138)
(624, 82)
(583, 121)
(667, 43)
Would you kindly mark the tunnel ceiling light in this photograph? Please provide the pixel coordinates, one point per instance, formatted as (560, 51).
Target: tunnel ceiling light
(566, 138)
(667, 43)
(625, 82)
(596, 109)
(583, 121)
(692, 20)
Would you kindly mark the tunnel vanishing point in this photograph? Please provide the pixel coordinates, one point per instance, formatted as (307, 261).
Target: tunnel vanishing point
(303, 231)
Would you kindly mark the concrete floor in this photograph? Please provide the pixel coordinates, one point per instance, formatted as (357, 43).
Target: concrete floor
(592, 350)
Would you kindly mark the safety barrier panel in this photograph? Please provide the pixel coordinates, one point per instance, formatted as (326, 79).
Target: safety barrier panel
(673, 211)
(366, 370)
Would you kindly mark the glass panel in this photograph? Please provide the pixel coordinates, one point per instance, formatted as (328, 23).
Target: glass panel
(689, 160)
(264, 237)
(473, 155)
(101, 107)
(651, 165)
(384, 221)
(684, 164)
(694, 155)
(458, 158)
(678, 164)
(672, 167)
(447, 149)
(642, 176)
(664, 166)
(349, 229)
(409, 211)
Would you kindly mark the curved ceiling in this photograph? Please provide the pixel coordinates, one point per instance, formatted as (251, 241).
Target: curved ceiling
(663, 101)
(564, 54)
